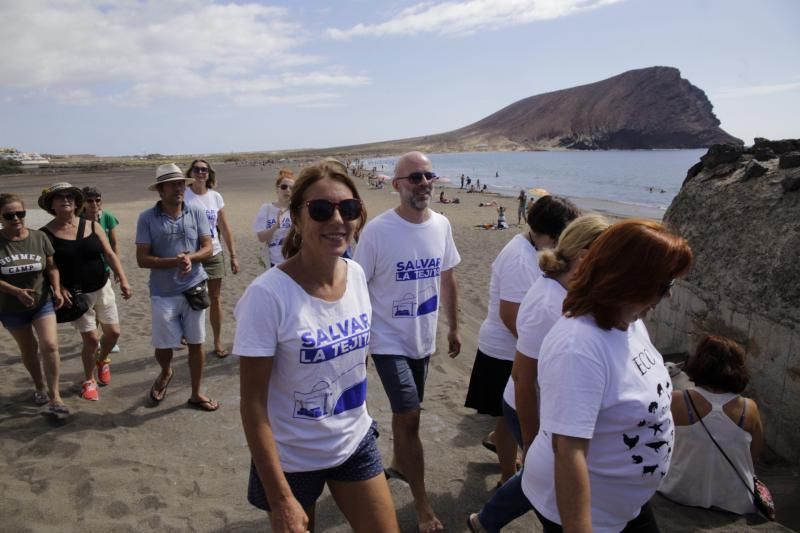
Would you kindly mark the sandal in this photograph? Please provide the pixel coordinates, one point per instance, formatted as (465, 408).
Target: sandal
(58, 410)
(203, 405)
(159, 393)
(222, 354)
(40, 397)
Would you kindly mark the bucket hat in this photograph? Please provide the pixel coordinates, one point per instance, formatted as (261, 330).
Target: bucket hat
(46, 197)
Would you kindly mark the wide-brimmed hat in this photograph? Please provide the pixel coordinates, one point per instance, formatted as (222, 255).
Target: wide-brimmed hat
(168, 172)
(46, 197)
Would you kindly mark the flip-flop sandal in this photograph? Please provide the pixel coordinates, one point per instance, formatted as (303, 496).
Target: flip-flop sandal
(156, 394)
(391, 473)
(222, 354)
(203, 405)
(58, 410)
(474, 524)
(489, 445)
(40, 397)
(432, 526)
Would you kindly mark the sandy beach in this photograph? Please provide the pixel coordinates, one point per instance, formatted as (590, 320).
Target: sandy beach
(120, 464)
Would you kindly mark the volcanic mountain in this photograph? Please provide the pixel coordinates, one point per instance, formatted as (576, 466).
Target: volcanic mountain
(640, 109)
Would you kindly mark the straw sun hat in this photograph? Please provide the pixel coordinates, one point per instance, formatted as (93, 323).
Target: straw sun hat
(168, 172)
(45, 199)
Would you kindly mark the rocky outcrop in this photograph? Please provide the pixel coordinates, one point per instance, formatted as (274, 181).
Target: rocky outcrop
(739, 208)
(640, 109)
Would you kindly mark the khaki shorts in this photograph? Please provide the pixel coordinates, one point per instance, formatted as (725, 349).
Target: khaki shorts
(215, 266)
(102, 308)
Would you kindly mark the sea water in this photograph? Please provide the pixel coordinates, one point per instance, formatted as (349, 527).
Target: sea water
(639, 178)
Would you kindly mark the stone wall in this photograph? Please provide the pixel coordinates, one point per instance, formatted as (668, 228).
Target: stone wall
(739, 208)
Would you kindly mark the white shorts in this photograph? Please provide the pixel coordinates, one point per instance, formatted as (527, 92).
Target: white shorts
(102, 308)
(173, 318)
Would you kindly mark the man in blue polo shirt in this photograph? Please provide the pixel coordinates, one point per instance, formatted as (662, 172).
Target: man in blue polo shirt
(172, 240)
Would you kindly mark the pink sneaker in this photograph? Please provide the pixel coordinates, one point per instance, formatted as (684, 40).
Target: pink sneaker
(89, 391)
(103, 373)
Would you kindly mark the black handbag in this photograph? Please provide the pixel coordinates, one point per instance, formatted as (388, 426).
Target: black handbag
(80, 304)
(198, 297)
(762, 497)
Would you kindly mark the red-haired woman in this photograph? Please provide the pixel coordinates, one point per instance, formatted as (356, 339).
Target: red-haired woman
(606, 431)
(700, 475)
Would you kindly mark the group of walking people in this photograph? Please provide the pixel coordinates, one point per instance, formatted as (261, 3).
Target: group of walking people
(564, 360)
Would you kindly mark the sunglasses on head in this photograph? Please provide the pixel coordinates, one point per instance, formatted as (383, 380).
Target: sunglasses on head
(665, 288)
(11, 215)
(200, 170)
(285, 186)
(415, 178)
(322, 210)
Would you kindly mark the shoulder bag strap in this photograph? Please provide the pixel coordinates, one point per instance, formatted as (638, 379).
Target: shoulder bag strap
(720, 447)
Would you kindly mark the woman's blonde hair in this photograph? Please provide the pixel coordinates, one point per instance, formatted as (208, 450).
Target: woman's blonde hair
(283, 174)
(577, 236)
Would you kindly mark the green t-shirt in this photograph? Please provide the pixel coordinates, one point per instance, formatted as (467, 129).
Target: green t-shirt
(108, 222)
(23, 264)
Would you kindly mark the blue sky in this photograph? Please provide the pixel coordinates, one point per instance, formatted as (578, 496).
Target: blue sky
(198, 76)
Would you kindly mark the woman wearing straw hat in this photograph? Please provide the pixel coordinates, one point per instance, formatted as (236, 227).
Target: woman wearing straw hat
(82, 251)
(27, 275)
(201, 193)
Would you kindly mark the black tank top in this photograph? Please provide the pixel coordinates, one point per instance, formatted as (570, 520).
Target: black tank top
(80, 261)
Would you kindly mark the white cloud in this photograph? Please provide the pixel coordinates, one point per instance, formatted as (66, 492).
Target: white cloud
(469, 16)
(130, 52)
(729, 93)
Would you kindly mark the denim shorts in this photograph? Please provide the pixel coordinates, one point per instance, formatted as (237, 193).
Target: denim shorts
(403, 380)
(25, 318)
(365, 463)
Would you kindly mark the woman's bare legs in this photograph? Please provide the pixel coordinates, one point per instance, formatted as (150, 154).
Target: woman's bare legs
(367, 505)
(29, 349)
(47, 331)
(215, 313)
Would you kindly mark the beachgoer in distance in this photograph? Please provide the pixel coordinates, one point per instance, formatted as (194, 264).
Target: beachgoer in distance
(513, 272)
(501, 218)
(82, 252)
(273, 221)
(409, 256)
(462, 181)
(27, 308)
(172, 240)
(606, 434)
(303, 396)
(201, 192)
(521, 208)
(699, 475)
(93, 210)
(539, 310)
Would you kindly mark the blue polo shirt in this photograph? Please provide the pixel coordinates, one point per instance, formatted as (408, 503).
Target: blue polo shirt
(167, 237)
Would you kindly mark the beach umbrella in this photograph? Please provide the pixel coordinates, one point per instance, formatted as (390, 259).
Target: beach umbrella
(538, 191)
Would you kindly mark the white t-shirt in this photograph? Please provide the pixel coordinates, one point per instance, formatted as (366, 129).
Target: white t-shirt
(267, 216)
(318, 387)
(540, 309)
(403, 263)
(210, 202)
(513, 272)
(610, 387)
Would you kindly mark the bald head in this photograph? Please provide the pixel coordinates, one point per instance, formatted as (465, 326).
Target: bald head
(411, 162)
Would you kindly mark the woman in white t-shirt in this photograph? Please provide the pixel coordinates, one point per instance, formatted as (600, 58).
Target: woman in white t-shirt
(539, 310)
(202, 194)
(302, 333)
(513, 272)
(606, 432)
(273, 221)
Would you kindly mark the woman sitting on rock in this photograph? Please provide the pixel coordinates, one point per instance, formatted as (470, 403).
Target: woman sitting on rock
(700, 475)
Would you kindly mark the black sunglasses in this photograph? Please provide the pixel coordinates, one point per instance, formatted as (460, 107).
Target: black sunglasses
(11, 215)
(415, 178)
(665, 288)
(285, 186)
(322, 210)
(200, 170)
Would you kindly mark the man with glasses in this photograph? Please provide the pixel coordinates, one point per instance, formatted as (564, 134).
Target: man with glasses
(172, 240)
(408, 256)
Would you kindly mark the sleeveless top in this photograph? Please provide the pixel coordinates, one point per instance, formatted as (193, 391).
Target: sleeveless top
(699, 475)
(80, 261)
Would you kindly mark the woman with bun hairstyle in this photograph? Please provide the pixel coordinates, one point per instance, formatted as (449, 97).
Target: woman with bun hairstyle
(201, 193)
(28, 274)
(302, 334)
(539, 310)
(699, 474)
(274, 220)
(605, 427)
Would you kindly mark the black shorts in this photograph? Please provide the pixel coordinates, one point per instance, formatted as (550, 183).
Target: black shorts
(487, 383)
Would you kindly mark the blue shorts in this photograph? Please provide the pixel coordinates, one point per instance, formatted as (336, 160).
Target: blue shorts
(25, 318)
(512, 420)
(365, 463)
(403, 380)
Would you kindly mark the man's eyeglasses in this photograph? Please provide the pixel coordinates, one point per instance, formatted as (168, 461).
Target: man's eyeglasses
(200, 170)
(415, 178)
(11, 215)
(285, 186)
(665, 288)
(93, 200)
(322, 210)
